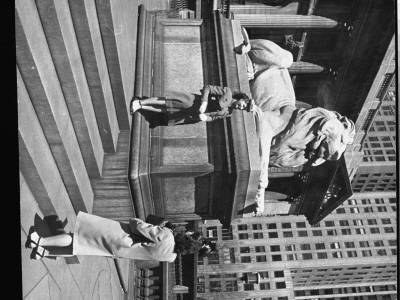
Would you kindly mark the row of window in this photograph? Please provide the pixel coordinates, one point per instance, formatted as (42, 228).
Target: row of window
(319, 246)
(368, 209)
(347, 290)
(304, 233)
(370, 201)
(339, 254)
(345, 269)
(391, 187)
(270, 298)
(265, 286)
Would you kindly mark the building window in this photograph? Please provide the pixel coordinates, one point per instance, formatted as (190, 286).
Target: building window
(374, 230)
(287, 234)
(279, 274)
(354, 210)
(260, 249)
(360, 230)
(302, 233)
(352, 202)
(280, 285)
(378, 201)
(346, 231)
(275, 248)
(242, 227)
(378, 243)
(358, 222)
(344, 223)
(349, 245)
(258, 235)
(335, 245)
(317, 233)
(319, 246)
(392, 242)
(271, 226)
(248, 287)
(394, 251)
(292, 256)
(263, 274)
(368, 209)
(261, 258)
(276, 257)
(264, 286)
(290, 247)
(286, 225)
(351, 253)
(340, 210)
(331, 232)
(337, 254)
(381, 252)
(215, 286)
(272, 235)
(231, 255)
(243, 236)
(372, 222)
(329, 223)
(388, 229)
(322, 255)
(381, 209)
(366, 253)
(305, 247)
(364, 244)
(306, 256)
(386, 221)
(257, 226)
(283, 298)
(231, 286)
(245, 259)
(300, 224)
(244, 250)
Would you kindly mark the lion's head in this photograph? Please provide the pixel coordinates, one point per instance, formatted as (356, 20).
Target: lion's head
(314, 135)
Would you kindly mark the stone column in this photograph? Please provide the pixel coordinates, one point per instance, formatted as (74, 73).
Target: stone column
(302, 67)
(285, 21)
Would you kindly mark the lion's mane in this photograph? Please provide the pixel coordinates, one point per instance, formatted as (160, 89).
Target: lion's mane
(288, 147)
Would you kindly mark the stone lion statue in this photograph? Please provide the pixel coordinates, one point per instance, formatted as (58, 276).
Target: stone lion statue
(288, 136)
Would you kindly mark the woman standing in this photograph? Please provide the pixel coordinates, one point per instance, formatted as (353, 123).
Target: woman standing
(214, 103)
(94, 235)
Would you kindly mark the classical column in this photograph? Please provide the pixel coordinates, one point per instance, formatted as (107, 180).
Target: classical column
(302, 67)
(285, 21)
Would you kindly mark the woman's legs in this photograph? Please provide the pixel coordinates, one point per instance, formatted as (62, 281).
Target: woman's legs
(153, 104)
(57, 245)
(61, 240)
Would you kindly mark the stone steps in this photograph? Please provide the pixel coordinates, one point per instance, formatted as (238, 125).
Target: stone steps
(76, 74)
(87, 30)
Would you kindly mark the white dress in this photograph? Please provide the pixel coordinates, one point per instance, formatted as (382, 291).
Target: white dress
(94, 235)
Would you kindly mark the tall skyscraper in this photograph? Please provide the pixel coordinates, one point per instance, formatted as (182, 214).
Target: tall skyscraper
(377, 171)
(351, 254)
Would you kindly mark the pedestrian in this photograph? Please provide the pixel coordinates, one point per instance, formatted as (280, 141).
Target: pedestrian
(94, 235)
(214, 103)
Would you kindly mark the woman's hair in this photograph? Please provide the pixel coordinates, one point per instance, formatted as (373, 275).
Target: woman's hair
(245, 98)
(187, 243)
(238, 96)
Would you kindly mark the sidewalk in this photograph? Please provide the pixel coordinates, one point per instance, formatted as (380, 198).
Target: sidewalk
(92, 278)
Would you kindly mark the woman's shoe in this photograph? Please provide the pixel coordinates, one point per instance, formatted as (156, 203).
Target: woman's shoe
(38, 253)
(33, 239)
(134, 105)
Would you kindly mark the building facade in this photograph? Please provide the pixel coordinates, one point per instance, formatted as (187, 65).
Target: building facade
(377, 170)
(352, 254)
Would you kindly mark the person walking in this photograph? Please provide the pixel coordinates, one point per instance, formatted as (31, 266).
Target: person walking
(94, 235)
